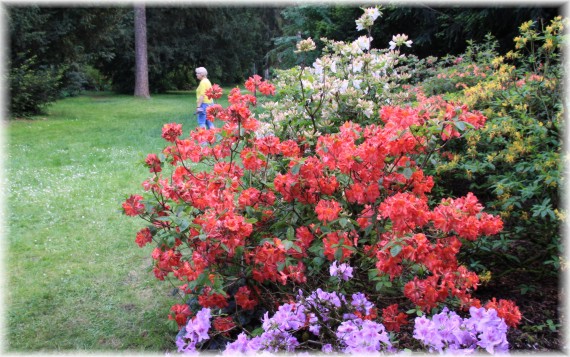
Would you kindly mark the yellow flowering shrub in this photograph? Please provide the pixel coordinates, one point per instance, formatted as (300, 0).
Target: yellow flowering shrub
(514, 163)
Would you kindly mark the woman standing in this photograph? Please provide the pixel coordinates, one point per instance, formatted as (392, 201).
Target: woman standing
(202, 100)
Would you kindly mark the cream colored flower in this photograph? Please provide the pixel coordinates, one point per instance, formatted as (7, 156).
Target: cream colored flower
(306, 45)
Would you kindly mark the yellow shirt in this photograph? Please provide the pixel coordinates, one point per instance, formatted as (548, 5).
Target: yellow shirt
(201, 91)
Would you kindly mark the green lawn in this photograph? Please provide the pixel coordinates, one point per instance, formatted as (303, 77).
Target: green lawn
(75, 278)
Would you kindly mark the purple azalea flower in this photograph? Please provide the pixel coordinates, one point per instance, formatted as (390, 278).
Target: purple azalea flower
(361, 303)
(196, 331)
(448, 332)
(288, 317)
(327, 348)
(363, 336)
(241, 345)
(344, 270)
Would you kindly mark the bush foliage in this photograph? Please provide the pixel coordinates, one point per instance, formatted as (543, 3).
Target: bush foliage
(514, 163)
(32, 88)
(367, 175)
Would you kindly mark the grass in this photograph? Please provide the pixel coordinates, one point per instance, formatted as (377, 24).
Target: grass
(76, 279)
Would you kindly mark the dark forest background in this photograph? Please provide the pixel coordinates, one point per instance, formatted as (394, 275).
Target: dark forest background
(58, 51)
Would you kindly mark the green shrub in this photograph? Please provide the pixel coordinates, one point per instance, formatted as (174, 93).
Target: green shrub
(513, 165)
(32, 88)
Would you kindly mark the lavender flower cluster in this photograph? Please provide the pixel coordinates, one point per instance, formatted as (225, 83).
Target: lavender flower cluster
(449, 332)
(319, 309)
(196, 332)
(444, 332)
(343, 271)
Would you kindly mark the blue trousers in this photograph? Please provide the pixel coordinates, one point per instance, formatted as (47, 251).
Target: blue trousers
(202, 121)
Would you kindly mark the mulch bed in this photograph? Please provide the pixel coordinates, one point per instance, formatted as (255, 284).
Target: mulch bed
(546, 302)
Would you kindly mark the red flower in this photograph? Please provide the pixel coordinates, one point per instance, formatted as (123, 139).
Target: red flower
(215, 111)
(180, 314)
(171, 131)
(153, 162)
(248, 197)
(507, 310)
(215, 92)
(133, 206)
(267, 88)
(212, 300)
(406, 211)
(304, 238)
(143, 237)
(224, 324)
(289, 148)
(243, 298)
(335, 241)
(268, 145)
(388, 264)
(252, 83)
(424, 293)
(392, 320)
(327, 210)
(372, 315)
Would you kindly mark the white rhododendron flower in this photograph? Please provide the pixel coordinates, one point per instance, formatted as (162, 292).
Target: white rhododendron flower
(400, 40)
(264, 130)
(356, 83)
(363, 42)
(306, 45)
(367, 107)
(357, 66)
(367, 19)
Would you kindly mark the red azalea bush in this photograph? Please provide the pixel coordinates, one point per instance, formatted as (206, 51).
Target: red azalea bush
(265, 216)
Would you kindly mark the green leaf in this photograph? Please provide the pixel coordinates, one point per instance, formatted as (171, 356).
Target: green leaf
(287, 244)
(184, 224)
(395, 250)
(460, 125)
(338, 254)
(290, 233)
(295, 169)
(257, 332)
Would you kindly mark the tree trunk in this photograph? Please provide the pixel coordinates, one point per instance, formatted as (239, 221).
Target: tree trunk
(141, 60)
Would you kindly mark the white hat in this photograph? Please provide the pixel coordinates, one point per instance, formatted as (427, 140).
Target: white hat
(201, 70)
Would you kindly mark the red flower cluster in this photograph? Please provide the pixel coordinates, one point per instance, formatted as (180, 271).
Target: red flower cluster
(392, 319)
(215, 92)
(213, 300)
(327, 210)
(170, 132)
(507, 310)
(243, 298)
(223, 325)
(133, 205)
(269, 264)
(144, 237)
(153, 163)
(180, 314)
(268, 210)
(338, 242)
(256, 82)
(165, 262)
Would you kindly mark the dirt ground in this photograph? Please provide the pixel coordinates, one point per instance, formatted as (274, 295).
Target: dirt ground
(542, 308)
